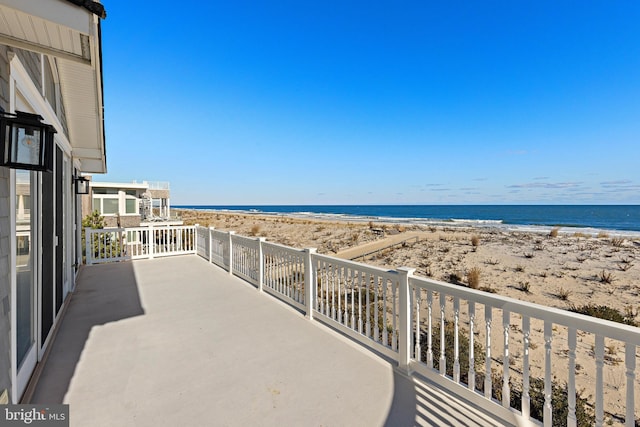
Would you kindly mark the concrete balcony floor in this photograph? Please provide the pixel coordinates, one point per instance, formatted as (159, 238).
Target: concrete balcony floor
(178, 341)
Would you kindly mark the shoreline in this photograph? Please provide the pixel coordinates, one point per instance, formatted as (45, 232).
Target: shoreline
(426, 223)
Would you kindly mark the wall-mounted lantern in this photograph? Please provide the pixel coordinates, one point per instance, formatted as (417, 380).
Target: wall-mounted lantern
(26, 142)
(82, 185)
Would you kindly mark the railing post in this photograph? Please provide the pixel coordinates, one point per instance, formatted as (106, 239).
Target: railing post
(260, 263)
(630, 367)
(152, 242)
(310, 290)
(194, 244)
(88, 240)
(231, 233)
(210, 245)
(404, 327)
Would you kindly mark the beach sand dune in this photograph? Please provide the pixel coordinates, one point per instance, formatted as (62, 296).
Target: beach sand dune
(566, 270)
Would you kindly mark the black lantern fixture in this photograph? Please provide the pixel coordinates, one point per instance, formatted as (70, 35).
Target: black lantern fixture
(26, 142)
(82, 185)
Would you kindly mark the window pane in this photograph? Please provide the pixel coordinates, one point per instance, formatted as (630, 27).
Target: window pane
(110, 206)
(131, 206)
(96, 205)
(97, 190)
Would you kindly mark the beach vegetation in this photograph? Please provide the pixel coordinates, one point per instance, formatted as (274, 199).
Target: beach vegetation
(606, 278)
(528, 255)
(563, 294)
(603, 235)
(519, 268)
(473, 277)
(554, 232)
(454, 278)
(255, 230)
(524, 287)
(475, 241)
(607, 313)
(579, 235)
(624, 266)
(492, 261)
(617, 242)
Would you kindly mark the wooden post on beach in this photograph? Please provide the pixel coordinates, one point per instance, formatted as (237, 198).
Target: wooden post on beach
(404, 328)
(231, 233)
(260, 263)
(310, 289)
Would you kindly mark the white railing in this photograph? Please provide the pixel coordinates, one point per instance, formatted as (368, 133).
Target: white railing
(507, 356)
(283, 273)
(449, 333)
(119, 244)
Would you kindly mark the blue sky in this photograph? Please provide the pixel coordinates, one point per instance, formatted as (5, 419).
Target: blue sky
(354, 102)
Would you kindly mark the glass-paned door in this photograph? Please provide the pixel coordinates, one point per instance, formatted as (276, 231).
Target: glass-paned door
(26, 274)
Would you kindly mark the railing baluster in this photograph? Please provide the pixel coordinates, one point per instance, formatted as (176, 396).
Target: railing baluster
(430, 327)
(443, 359)
(353, 285)
(571, 380)
(360, 281)
(548, 410)
(506, 391)
(339, 294)
(471, 379)
(376, 326)
(417, 352)
(456, 340)
(526, 398)
(395, 305)
(630, 367)
(487, 349)
(327, 273)
(385, 333)
(599, 380)
(368, 280)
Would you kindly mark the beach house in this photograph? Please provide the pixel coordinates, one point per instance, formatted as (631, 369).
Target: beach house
(129, 204)
(51, 110)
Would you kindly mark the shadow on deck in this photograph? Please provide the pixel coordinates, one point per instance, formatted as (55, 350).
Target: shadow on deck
(178, 341)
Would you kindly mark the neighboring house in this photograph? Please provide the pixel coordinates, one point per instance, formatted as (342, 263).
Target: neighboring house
(129, 204)
(50, 65)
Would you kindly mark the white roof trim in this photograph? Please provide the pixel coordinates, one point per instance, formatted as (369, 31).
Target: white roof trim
(69, 33)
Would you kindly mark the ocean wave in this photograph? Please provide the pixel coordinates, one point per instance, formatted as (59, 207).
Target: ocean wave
(477, 221)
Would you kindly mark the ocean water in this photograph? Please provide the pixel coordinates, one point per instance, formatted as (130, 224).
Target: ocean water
(617, 219)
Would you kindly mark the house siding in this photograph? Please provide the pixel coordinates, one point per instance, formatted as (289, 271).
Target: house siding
(33, 63)
(5, 269)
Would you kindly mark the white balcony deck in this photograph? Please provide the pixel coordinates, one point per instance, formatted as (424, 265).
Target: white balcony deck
(178, 341)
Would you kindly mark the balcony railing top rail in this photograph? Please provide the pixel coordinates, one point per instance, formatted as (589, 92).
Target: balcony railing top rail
(507, 356)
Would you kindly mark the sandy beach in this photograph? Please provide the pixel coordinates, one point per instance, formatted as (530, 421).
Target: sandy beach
(560, 270)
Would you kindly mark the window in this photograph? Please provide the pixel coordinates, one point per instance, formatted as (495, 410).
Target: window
(131, 207)
(110, 206)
